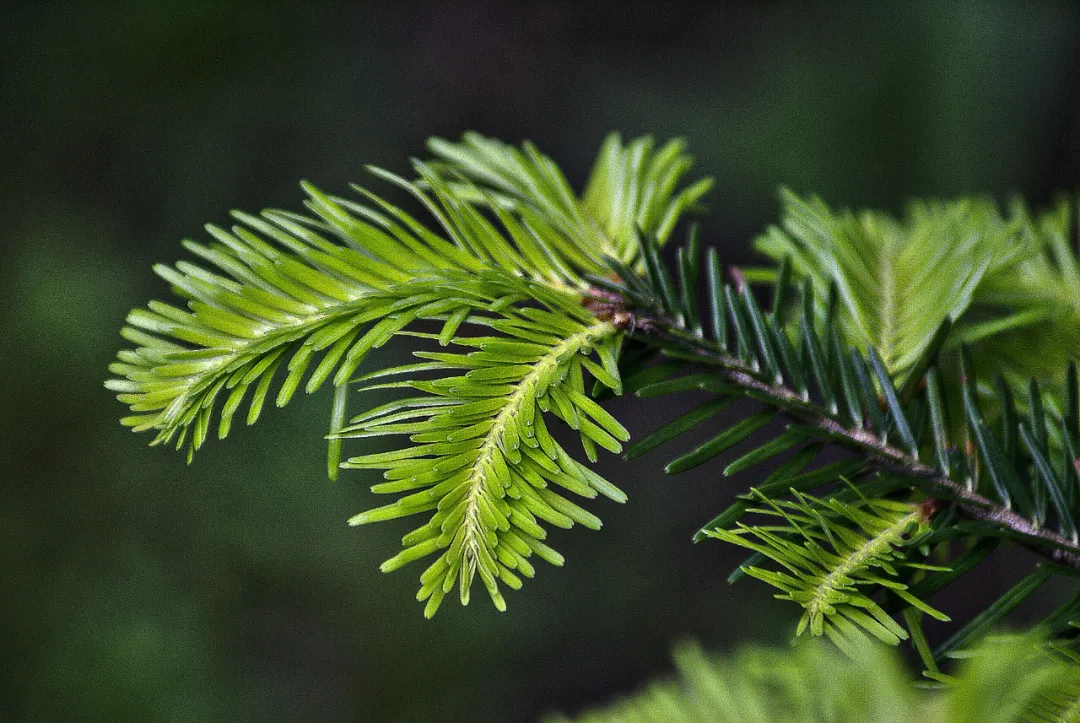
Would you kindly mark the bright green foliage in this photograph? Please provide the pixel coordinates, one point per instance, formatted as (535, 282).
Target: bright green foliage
(311, 296)
(832, 551)
(1009, 281)
(897, 281)
(1046, 285)
(484, 461)
(632, 187)
(1006, 679)
(281, 289)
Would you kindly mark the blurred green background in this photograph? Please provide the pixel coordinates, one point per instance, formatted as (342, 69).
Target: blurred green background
(139, 588)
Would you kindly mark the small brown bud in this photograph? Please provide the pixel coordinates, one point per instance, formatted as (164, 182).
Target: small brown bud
(928, 508)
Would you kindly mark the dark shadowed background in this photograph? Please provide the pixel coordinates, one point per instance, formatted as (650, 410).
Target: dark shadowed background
(136, 587)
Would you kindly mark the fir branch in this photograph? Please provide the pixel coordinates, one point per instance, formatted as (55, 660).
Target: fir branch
(559, 280)
(314, 295)
(484, 460)
(865, 549)
(743, 376)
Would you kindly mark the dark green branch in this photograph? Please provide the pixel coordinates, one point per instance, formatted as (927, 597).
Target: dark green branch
(1045, 542)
